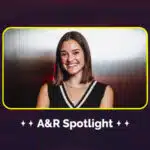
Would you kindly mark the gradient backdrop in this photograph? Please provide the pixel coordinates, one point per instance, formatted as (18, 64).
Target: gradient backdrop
(73, 13)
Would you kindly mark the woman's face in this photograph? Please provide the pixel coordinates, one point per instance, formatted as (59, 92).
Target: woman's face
(72, 57)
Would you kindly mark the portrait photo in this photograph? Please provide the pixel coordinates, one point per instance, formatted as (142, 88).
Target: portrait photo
(75, 67)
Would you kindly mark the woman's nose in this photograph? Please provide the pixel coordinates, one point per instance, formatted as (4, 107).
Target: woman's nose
(70, 57)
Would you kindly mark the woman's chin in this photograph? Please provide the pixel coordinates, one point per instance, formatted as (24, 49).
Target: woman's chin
(73, 72)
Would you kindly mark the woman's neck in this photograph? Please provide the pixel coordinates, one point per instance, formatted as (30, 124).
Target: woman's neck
(74, 80)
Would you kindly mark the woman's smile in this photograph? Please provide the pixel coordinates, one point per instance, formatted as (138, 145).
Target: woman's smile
(72, 65)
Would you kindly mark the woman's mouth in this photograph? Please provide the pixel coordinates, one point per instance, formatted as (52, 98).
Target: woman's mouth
(71, 65)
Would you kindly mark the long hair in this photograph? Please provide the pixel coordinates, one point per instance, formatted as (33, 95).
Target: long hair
(60, 74)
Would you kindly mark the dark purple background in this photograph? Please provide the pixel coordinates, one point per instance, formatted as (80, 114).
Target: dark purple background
(72, 13)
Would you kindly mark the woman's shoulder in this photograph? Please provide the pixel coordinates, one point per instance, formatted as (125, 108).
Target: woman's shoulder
(51, 86)
(101, 84)
(46, 86)
(104, 86)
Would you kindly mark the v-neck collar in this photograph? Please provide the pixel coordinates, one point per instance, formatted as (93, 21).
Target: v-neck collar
(83, 98)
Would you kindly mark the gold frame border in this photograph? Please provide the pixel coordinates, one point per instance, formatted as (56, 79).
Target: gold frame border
(10, 108)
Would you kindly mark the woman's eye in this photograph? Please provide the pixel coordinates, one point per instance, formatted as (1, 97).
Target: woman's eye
(63, 54)
(75, 53)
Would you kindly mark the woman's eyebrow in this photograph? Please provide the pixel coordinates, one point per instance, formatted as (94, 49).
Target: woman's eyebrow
(62, 50)
(76, 49)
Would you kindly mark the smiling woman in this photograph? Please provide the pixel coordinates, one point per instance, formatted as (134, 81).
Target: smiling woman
(74, 85)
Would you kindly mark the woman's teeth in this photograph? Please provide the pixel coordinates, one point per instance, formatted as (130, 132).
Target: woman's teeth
(71, 65)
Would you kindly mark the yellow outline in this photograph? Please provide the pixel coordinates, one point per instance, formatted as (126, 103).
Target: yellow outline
(140, 108)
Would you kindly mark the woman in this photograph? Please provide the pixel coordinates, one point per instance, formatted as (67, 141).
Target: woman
(74, 85)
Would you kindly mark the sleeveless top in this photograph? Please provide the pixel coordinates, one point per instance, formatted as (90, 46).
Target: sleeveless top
(91, 98)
